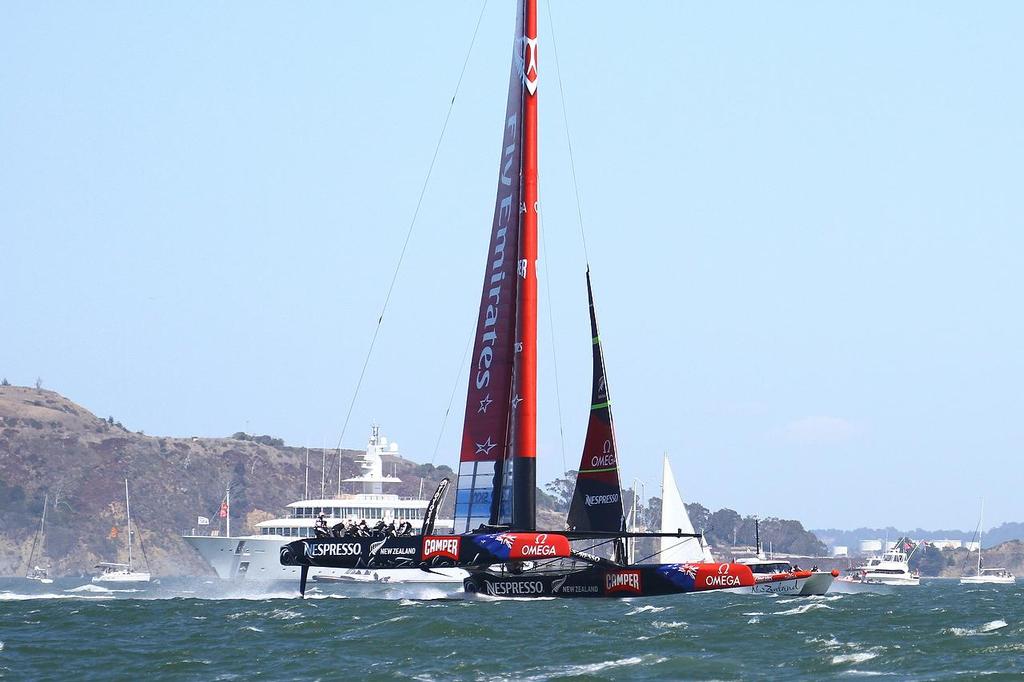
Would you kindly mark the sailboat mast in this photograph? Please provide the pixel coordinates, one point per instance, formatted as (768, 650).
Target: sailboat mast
(128, 511)
(981, 522)
(525, 439)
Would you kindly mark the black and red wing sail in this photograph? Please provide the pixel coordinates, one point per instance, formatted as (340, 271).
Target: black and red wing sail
(483, 493)
(597, 501)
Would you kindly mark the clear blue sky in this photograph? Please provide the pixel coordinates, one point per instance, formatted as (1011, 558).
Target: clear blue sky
(804, 221)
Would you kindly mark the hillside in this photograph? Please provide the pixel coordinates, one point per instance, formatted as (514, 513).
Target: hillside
(51, 446)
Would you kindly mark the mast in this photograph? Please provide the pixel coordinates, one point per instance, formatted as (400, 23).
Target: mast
(227, 517)
(525, 401)
(323, 472)
(497, 472)
(981, 522)
(305, 490)
(128, 511)
(38, 537)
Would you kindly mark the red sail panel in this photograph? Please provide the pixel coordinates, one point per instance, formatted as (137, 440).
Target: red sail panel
(488, 401)
(597, 499)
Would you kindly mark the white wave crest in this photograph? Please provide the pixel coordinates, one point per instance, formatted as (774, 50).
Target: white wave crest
(803, 608)
(985, 628)
(14, 596)
(669, 625)
(859, 657)
(89, 587)
(648, 609)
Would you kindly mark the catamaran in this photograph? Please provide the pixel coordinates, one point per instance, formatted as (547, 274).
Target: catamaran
(122, 573)
(987, 576)
(495, 537)
(35, 571)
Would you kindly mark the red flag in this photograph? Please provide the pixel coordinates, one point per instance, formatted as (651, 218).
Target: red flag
(223, 509)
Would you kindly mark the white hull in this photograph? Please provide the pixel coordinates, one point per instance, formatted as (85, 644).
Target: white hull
(121, 577)
(257, 559)
(45, 581)
(987, 580)
(854, 586)
(785, 587)
(818, 584)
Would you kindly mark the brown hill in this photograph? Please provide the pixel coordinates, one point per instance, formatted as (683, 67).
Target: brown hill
(51, 446)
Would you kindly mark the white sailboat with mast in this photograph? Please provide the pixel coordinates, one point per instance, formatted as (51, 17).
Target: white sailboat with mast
(987, 576)
(122, 573)
(35, 571)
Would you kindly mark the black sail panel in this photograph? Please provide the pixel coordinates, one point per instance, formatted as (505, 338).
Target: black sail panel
(597, 500)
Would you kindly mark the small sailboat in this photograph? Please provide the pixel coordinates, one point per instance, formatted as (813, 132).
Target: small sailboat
(987, 576)
(122, 573)
(35, 571)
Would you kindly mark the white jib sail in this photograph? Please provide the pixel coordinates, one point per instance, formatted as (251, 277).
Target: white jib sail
(675, 519)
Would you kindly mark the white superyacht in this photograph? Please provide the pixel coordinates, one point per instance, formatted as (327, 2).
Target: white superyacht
(256, 557)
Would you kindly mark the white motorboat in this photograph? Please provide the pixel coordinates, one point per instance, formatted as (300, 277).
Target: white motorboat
(256, 557)
(891, 570)
(777, 576)
(111, 572)
(987, 576)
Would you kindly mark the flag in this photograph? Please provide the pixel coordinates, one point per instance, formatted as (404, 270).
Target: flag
(203, 521)
(223, 509)
(113, 533)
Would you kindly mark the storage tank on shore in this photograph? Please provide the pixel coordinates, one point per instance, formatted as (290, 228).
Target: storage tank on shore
(870, 546)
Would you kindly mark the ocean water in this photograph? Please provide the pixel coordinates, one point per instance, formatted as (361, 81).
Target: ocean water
(198, 629)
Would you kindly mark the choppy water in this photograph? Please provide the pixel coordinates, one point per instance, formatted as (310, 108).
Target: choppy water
(198, 630)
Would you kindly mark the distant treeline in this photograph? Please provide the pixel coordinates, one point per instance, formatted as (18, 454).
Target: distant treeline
(850, 538)
(722, 528)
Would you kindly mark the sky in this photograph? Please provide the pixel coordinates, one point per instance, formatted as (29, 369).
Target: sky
(804, 223)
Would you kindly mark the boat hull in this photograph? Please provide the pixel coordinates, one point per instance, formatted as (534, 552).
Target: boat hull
(987, 580)
(256, 559)
(645, 580)
(120, 578)
(848, 586)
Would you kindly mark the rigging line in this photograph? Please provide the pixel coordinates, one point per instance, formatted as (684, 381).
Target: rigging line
(451, 399)
(551, 328)
(568, 138)
(412, 224)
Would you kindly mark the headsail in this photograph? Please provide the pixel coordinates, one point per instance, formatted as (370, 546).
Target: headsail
(597, 500)
(673, 518)
(496, 472)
